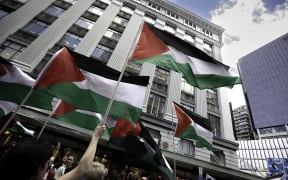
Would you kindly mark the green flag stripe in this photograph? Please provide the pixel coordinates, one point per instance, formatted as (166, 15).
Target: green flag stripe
(14, 92)
(2, 113)
(92, 101)
(200, 81)
(190, 133)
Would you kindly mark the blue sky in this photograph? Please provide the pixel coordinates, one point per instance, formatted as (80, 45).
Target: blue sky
(248, 24)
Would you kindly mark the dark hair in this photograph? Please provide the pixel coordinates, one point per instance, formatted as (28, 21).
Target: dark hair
(23, 160)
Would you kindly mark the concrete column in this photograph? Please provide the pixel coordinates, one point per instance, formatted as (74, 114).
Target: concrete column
(94, 35)
(127, 42)
(174, 94)
(147, 70)
(35, 52)
(17, 19)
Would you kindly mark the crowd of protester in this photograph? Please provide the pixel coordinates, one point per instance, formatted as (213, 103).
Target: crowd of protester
(35, 160)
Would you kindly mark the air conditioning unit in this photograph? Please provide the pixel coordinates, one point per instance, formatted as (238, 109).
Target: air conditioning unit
(165, 145)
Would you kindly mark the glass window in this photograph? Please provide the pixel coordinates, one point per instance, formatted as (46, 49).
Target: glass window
(186, 87)
(127, 10)
(112, 34)
(149, 19)
(10, 50)
(3, 13)
(156, 104)
(56, 11)
(257, 144)
(23, 1)
(70, 1)
(169, 29)
(70, 40)
(279, 153)
(120, 20)
(215, 124)
(85, 23)
(284, 153)
(161, 75)
(102, 53)
(35, 27)
(280, 142)
(95, 10)
(285, 142)
(189, 38)
(187, 147)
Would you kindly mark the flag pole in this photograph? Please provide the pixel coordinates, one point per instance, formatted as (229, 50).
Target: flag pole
(120, 78)
(48, 118)
(16, 110)
(173, 146)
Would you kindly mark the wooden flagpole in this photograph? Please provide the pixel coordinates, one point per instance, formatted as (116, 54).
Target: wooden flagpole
(16, 110)
(174, 154)
(48, 118)
(120, 78)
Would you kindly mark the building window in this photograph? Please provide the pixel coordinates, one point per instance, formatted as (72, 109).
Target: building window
(84, 23)
(10, 5)
(189, 107)
(208, 48)
(3, 13)
(10, 50)
(55, 11)
(70, 40)
(154, 6)
(149, 19)
(212, 100)
(170, 29)
(133, 67)
(189, 24)
(121, 21)
(22, 1)
(217, 157)
(187, 147)
(114, 35)
(156, 104)
(160, 80)
(215, 124)
(102, 53)
(71, 1)
(172, 15)
(127, 10)
(189, 38)
(35, 27)
(95, 10)
(186, 87)
(187, 92)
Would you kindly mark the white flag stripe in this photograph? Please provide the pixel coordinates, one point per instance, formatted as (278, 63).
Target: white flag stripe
(22, 78)
(7, 106)
(204, 133)
(105, 87)
(203, 67)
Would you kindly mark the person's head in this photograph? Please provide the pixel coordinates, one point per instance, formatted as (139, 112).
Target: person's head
(96, 171)
(27, 160)
(70, 160)
(64, 159)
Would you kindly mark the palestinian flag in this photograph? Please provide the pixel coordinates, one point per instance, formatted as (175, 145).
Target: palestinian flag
(15, 85)
(78, 117)
(140, 146)
(6, 107)
(188, 128)
(21, 129)
(87, 84)
(71, 115)
(167, 51)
